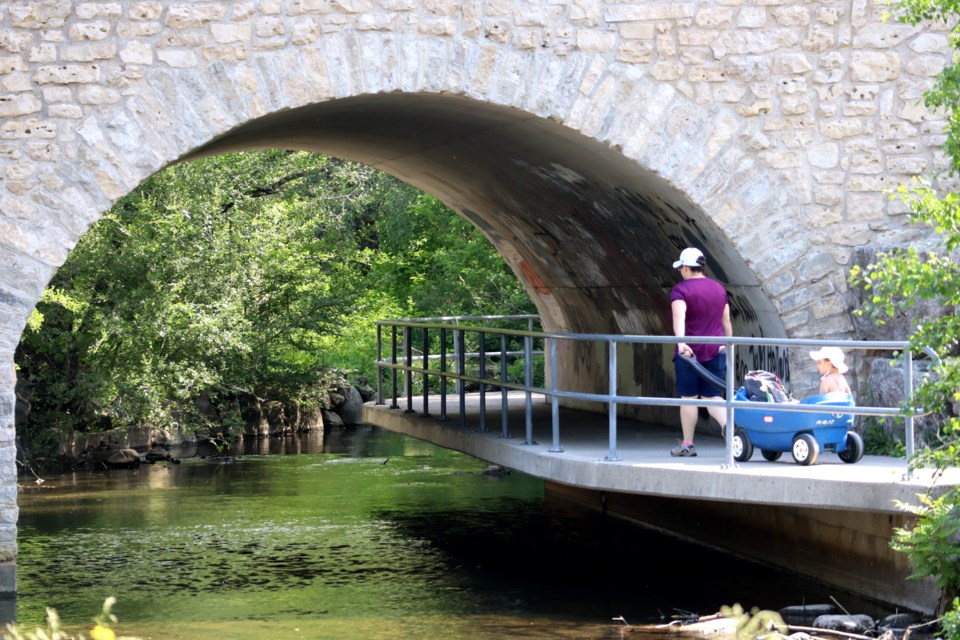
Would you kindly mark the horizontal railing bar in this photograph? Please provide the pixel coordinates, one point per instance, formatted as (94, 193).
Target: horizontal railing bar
(859, 410)
(419, 321)
(474, 354)
(613, 341)
(646, 339)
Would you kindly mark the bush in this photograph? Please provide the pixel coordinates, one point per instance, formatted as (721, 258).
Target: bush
(877, 441)
(102, 630)
(933, 543)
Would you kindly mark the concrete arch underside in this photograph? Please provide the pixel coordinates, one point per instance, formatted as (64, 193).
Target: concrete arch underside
(591, 233)
(589, 158)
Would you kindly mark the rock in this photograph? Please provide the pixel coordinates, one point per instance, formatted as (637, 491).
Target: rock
(886, 389)
(157, 455)
(857, 623)
(161, 438)
(110, 439)
(496, 471)
(898, 621)
(276, 415)
(351, 411)
(336, 399)
(804, 615)
(331, 420)
(123, 458)
(255, 422)
(310, 420)
(366, 391)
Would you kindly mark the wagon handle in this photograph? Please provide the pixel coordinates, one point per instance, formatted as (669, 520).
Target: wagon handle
(692, 361)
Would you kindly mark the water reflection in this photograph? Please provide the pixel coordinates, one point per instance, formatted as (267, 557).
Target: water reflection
(361, 534)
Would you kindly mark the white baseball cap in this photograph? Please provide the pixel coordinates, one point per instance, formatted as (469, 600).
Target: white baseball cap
(690, 257)
(833, 354)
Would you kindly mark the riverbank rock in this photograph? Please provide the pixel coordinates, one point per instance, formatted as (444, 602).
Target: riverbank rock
(310, 420)
(276, 416)
(804, 615)
(351, 411)
(857, 623)
(332, 420)
(895, 626)
(123, 458)
(366, 391)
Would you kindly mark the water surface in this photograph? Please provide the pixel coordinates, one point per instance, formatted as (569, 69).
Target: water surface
(365, 534)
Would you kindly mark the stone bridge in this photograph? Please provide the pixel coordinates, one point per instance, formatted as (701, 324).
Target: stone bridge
(590, 140)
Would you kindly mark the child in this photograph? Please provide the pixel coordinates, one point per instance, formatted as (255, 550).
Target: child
(831, 367)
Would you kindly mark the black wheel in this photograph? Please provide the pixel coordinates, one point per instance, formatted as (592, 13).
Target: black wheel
(805, 449)
(854, 450)
(742, 447)
(772, 456)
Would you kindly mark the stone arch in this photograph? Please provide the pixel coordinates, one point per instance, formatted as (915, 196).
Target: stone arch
(699, 184)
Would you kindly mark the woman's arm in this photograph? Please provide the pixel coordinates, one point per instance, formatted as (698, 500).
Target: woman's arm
(679, 309)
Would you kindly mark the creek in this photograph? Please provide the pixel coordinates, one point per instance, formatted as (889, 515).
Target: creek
(359, 534)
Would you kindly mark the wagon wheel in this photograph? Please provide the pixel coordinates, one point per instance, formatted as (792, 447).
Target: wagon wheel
(772, 456)
(854, 450)
(805, 449)
(742, 447)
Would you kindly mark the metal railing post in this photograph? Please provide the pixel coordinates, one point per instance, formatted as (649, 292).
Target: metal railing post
(482, 351)
(459, 343)
(611, 403)
(426, 376)
(528, 382)
(379, 361)
(443, 377)
(731, 356)
(393, 370)
(408, 374)
(908, 403)
(554, 398)
(504, 397)
(458, 347)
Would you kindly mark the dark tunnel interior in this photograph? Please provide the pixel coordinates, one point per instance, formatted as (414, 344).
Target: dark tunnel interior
(591, 233)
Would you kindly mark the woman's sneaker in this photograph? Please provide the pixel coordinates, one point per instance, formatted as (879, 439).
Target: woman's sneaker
(684, 450)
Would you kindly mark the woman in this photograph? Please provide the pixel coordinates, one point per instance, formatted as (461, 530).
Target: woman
(699, 307)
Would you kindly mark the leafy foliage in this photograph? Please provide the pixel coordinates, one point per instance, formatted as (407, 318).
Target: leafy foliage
(899, 278)
(933, 543)
(243, 274)
(895, 282)
(878, 442)
(951, 621)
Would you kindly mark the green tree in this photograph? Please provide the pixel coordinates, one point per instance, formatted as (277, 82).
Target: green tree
(443, 265)
(895, 281)
(244, 274)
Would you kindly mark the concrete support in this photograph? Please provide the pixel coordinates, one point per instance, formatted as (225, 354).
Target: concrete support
(8, 478)
(846, 549)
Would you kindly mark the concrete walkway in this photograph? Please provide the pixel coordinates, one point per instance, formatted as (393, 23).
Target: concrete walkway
(645, 465)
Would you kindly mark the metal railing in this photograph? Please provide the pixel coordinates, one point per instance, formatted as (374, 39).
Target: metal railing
(449, 338)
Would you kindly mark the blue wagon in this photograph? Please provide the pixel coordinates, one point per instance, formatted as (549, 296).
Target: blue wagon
(803, 434)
